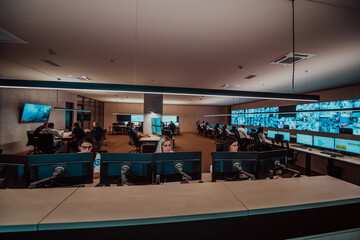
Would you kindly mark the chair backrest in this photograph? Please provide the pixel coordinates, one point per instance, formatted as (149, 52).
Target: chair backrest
(133, 139)
(279, 137)
(46, 143)
(219, 147)
(103, 134)
(168, 133)
(30, 137)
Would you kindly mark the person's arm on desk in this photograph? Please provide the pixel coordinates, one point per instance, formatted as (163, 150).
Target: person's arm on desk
(140, 134)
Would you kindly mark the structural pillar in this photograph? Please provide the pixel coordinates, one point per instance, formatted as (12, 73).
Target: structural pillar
(153, 108)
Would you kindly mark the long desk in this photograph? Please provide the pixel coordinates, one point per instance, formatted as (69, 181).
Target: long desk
(280, 208)
(152, 138)
(314, 151)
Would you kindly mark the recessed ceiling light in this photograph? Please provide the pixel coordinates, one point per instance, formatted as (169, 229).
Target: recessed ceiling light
(229, 86)
(80, 77)
(6, 37)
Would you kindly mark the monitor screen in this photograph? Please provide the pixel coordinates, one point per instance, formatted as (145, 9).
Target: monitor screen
(286, 135)
(169, 118)
(156, 122)
(347, 145)
(69, 169)
(271, 133)
(158, 130)
(166, 165)
(122, 118)
(35, 113)
(133, 168)
(324, 142)
(223, 164)
(137, 118)
(304, 139)
(153, 129)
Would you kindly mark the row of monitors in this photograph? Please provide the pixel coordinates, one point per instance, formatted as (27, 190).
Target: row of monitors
(20, 171)
(248, 130)
(271, 134)
(339, 144)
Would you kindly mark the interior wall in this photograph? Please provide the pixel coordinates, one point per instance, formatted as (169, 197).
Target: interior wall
(188, 115)
(13, 137)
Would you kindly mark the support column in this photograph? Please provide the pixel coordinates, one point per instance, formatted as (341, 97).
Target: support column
(153, 108)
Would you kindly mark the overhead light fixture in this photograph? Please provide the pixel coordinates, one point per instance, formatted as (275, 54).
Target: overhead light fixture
(102, 87)
(6, 37)
(80, 77)
(71, 109)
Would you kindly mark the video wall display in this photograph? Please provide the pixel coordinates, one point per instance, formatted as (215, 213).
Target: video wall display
(342, 117)
(254, 119)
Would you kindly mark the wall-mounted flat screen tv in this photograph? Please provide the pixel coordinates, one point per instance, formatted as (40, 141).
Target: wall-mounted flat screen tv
(35, 113)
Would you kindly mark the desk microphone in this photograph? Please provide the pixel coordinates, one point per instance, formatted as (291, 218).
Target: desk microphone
(238, 167)
(58, 172)
(279, 165)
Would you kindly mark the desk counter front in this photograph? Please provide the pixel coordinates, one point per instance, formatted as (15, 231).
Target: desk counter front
(279, 208)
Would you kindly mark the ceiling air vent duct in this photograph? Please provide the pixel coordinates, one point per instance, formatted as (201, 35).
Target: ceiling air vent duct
(288, 58)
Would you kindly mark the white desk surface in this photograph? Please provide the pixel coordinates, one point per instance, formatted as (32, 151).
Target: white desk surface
(152, 138)
(264, 196)
(317, 152)
(120, 206)
(23, 209)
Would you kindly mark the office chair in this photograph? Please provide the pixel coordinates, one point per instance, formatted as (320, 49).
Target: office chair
(103, 137)
(46, 143)
(219, 147)
(31, 141)
(134, 141)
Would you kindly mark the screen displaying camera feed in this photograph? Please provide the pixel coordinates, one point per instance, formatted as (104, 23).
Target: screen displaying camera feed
(271, 133)
(347, 145)
(137, 118)
(35, 113)
(324, 142)
(304, 139)
(341, 117)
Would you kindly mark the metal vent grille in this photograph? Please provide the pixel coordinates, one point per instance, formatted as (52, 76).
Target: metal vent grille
(51, 63)
(288, 58)
(250, 76)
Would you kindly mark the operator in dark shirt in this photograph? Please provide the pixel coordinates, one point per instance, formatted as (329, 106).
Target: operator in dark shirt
(172, 127)
(78, 133)
(137, 134)
(39, 129)
(96, 131)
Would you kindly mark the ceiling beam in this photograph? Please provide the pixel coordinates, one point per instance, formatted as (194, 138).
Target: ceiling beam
(60, 85)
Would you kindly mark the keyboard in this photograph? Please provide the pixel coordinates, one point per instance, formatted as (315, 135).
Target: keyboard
(333, 154)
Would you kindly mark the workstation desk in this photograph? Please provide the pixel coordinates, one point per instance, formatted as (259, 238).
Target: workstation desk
(279, 208)
(309, 151)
